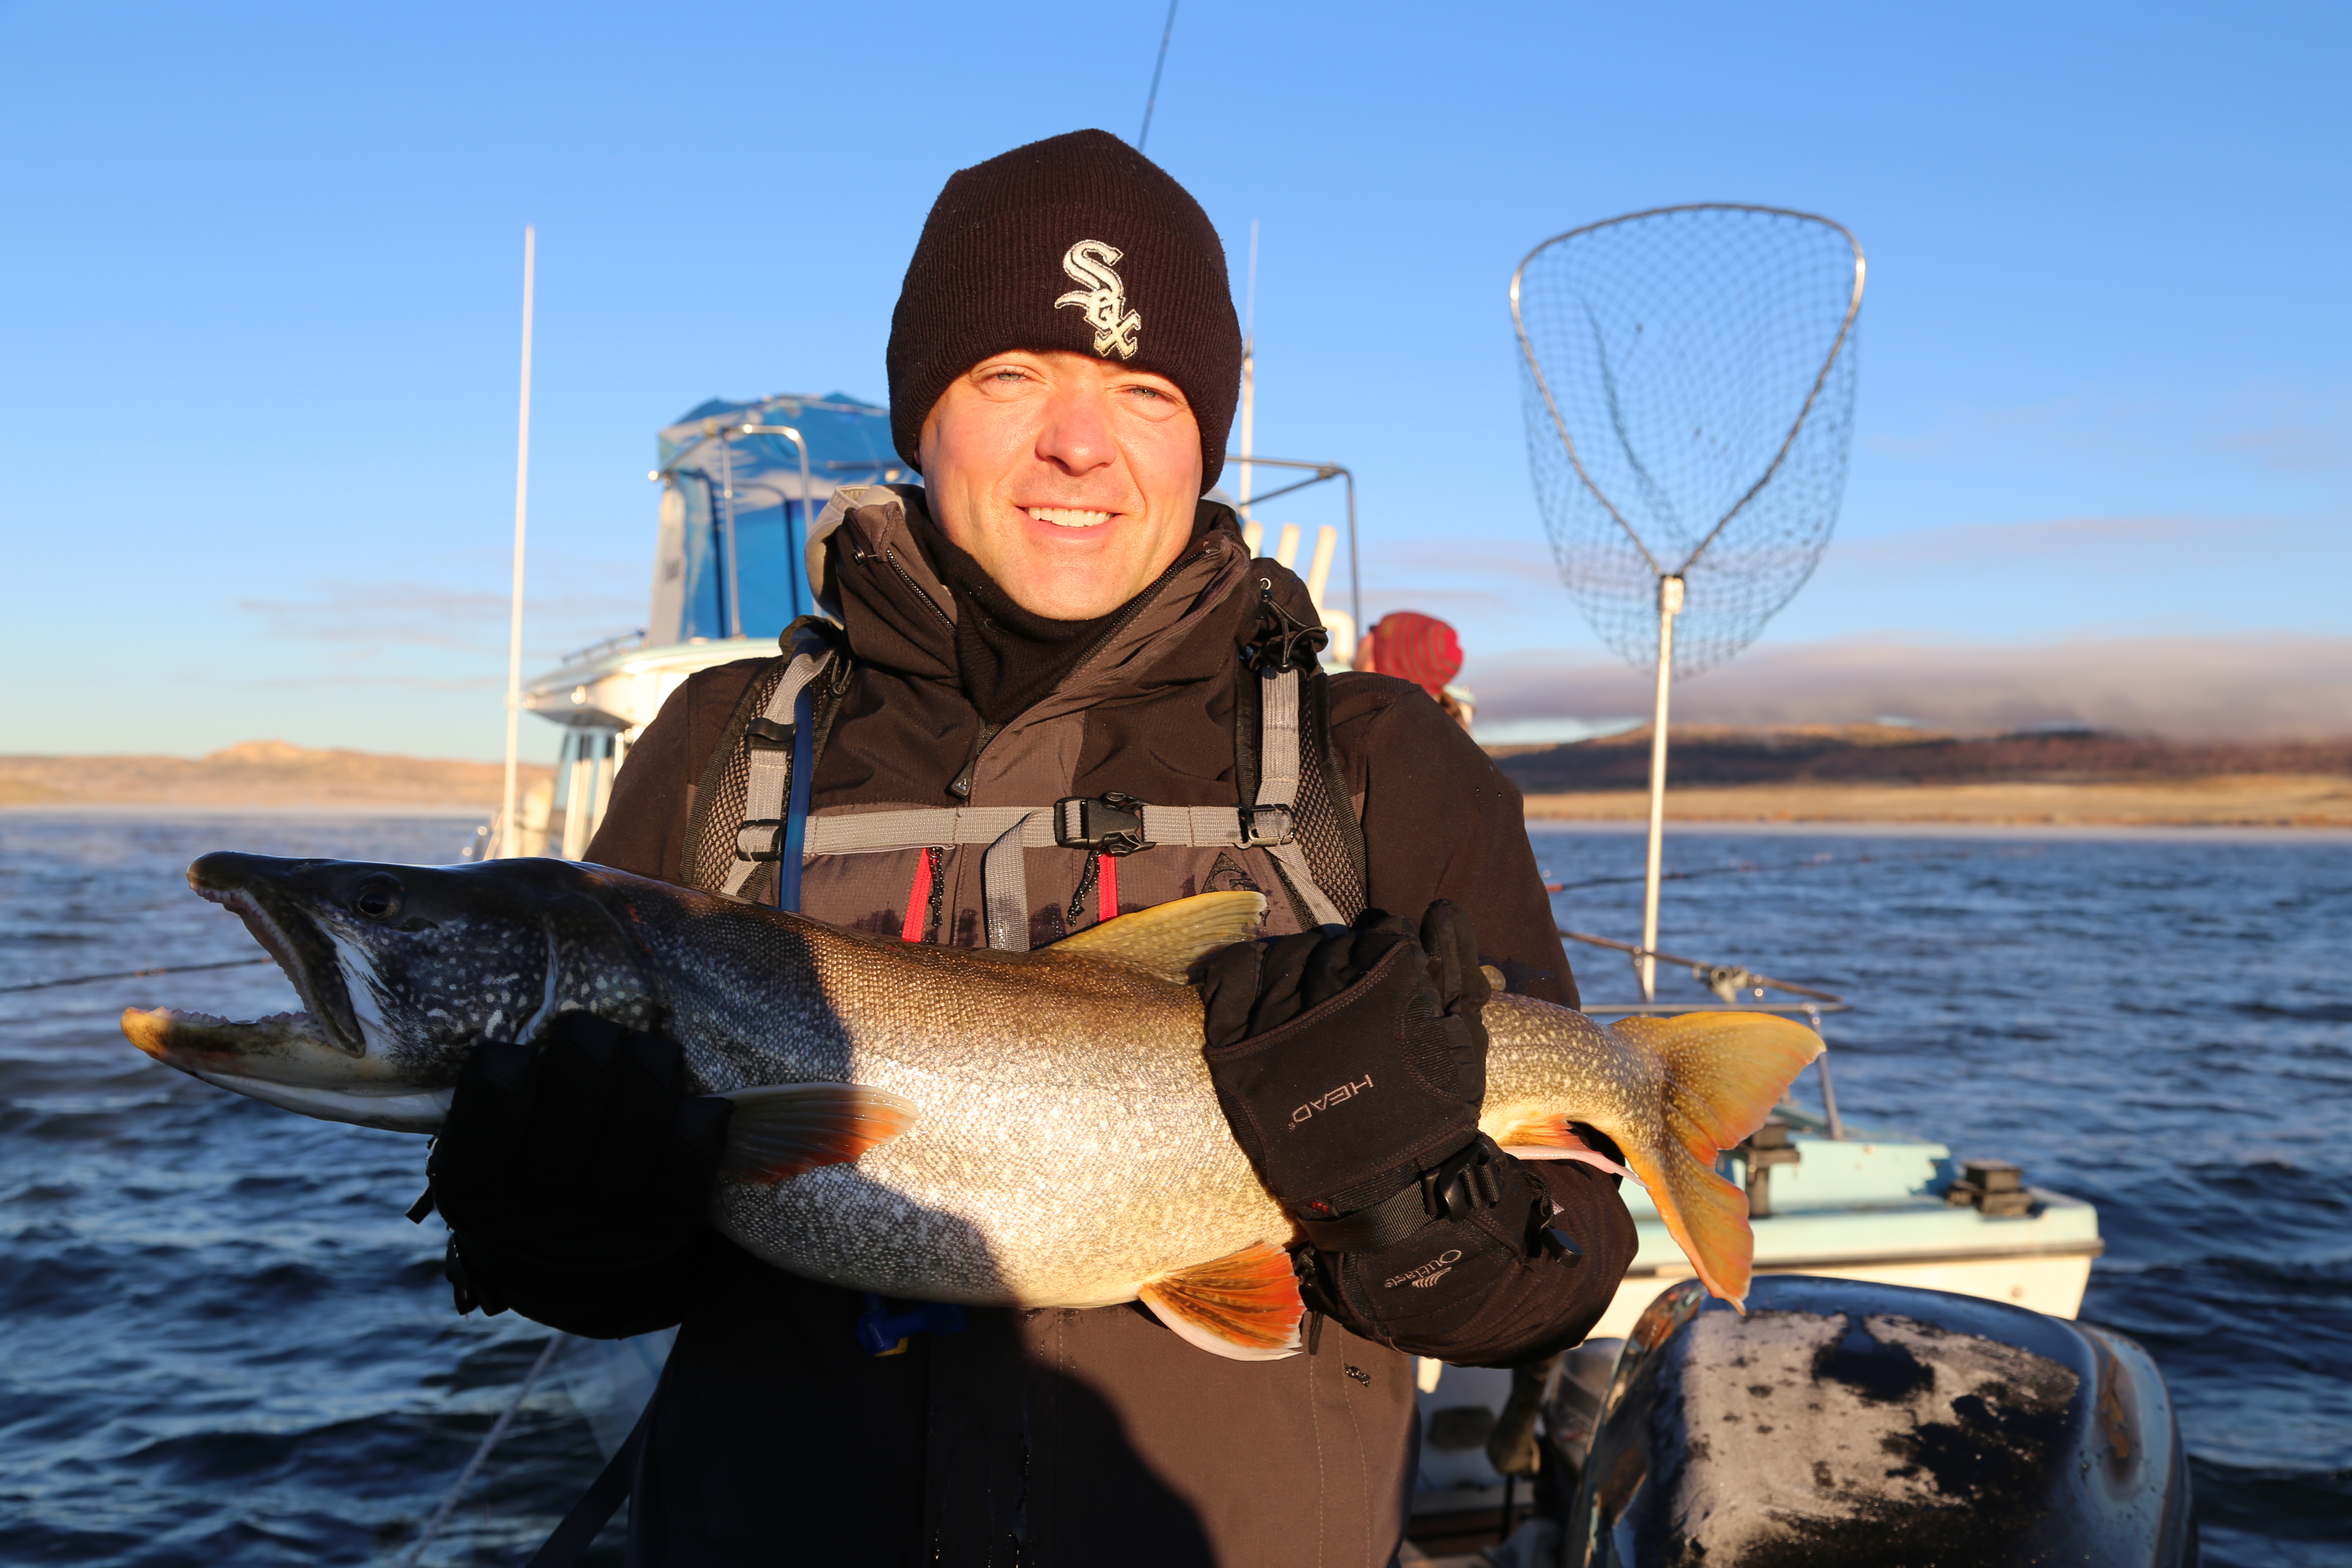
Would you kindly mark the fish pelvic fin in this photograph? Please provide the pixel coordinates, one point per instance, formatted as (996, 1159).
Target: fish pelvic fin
(776, 1133)
(1243, 1308)
(1724, 1073)
(1166, 940)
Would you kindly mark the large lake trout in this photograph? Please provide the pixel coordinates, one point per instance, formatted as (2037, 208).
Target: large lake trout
(934, 1124)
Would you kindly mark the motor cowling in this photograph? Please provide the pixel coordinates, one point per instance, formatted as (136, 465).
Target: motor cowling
(1841, 1422)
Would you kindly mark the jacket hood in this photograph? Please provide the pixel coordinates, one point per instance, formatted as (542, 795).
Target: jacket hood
(873, 576)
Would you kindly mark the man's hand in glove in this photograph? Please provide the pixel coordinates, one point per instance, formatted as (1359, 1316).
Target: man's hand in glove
(1351, 1068)
(574, 1175)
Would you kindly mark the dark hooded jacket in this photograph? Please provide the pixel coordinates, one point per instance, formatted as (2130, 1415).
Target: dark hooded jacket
(1057, 1436)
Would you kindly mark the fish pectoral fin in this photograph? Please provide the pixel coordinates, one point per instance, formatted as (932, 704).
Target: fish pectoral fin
(776, 1133)
(1244, 1308)
(1166, 940)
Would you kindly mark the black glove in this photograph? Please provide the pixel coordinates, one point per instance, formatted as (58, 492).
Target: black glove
(1352, 1069)
(574, 1175)
(1348, 1064)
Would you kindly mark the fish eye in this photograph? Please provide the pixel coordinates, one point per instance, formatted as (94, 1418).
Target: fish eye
(378, 898)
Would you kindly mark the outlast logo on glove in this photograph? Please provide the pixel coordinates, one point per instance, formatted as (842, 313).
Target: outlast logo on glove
(1428, 1274)
(1345, 1091)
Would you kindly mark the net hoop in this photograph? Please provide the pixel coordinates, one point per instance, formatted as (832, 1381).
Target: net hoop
(1559, 426)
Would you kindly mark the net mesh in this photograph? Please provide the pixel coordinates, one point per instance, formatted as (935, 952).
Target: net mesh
(1699, 364)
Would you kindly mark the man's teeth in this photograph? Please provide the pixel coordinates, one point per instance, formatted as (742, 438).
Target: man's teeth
(1068, 517)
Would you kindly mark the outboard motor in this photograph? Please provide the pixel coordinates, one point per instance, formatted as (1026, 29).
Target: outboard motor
(1847, 1423)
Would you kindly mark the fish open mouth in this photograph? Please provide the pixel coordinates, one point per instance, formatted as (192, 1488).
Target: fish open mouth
(206, 1043)
(328, 1018)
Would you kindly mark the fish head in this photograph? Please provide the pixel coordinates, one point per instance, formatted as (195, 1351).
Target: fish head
(403, 970)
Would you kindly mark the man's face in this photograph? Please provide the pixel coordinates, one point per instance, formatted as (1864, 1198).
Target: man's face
(1071, 480)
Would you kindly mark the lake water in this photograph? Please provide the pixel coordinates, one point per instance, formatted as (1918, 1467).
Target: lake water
(221, 1343)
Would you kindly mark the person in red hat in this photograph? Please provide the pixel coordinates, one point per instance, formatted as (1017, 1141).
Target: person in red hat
(1416, 647)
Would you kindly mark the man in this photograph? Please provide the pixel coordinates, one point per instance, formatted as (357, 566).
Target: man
(1056, 621)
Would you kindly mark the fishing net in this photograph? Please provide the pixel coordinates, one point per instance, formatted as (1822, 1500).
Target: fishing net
(1688, 377)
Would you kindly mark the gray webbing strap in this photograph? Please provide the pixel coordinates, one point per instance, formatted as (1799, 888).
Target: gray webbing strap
(760, 837)
(1011, 830)
(1277, 789)
(1004, 882)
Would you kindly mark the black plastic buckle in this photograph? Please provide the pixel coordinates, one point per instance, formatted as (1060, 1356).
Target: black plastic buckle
(775, 849)
(1276, 830)
(1281, 641)
(1109, 824)
(768, 735)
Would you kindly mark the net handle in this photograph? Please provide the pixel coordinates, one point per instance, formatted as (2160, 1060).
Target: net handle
(1527, 349)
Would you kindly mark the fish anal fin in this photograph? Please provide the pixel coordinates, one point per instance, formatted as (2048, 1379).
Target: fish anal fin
(1531, 1129)
(779, 1132)
(1166, 940)
(1246, 1307)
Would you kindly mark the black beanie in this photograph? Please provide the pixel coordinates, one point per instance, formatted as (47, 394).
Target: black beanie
(1076, 242)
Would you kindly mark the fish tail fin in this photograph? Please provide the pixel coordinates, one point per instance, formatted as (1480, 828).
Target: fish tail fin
(1724, 1073)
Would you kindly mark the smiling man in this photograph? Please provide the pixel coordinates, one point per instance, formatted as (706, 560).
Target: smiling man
(1053, 688)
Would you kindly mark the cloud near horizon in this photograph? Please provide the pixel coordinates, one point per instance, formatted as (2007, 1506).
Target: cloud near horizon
(2183, 687)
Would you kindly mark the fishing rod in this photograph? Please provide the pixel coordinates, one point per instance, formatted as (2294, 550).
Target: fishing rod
(1723, 979)
(133, 975)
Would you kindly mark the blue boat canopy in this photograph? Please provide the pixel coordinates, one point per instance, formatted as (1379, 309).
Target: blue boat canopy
(740, 482)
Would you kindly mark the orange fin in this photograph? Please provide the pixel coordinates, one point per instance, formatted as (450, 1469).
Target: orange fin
(1244, 1307)
(1545, 1137)
(780, 1132)
(1724, 1073)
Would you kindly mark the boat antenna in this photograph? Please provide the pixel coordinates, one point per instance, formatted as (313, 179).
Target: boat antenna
(1160, 65)
(1688, 381)
(507, 835)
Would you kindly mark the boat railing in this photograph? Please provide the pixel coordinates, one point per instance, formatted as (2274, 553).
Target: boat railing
(1727, 981)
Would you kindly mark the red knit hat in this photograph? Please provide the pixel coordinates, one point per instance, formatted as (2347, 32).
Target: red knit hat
(1412, 647)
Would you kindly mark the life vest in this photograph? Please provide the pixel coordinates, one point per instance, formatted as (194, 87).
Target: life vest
(753, 836)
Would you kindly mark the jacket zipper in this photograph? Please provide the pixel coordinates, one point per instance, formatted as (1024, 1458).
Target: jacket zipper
(916, 588)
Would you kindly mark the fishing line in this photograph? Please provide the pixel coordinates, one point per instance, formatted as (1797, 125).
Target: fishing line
(497, 1430)
(1749, 867)
(132, 974)
(1160, 65)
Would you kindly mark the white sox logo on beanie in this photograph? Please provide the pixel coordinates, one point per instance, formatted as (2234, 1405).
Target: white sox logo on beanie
(1104, 301)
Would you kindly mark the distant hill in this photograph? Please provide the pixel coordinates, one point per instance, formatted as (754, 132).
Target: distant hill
(259, 773)
(1883, 754)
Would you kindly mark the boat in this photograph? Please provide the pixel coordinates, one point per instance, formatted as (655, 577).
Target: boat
(740, 482)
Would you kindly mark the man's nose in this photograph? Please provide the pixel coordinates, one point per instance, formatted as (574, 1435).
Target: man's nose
(1076, 436)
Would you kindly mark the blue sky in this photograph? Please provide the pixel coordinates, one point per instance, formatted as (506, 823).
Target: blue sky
(258, 306)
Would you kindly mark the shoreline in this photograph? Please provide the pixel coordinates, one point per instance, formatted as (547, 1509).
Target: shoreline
(2268, 803)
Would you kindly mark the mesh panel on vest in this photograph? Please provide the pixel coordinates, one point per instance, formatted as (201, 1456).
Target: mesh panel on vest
(710, 849)
(1315, 819)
